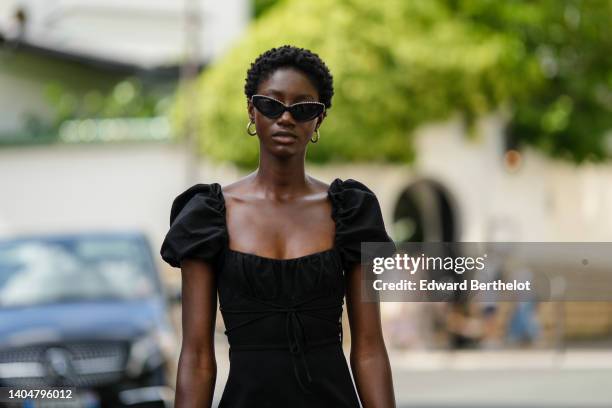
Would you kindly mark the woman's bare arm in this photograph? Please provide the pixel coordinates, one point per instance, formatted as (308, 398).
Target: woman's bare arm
(369, 359)
(197, 367)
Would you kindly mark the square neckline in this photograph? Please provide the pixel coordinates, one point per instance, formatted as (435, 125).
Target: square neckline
(269, 259)
(333, 248)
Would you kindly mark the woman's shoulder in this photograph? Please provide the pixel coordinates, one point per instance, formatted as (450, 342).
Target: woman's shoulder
(349, 191)
(237, 190)
(200, 196)
(354, 204)
(358, 218)
(197, 224)
(319, 187)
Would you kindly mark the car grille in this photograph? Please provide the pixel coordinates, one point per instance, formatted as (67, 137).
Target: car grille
(77, 364)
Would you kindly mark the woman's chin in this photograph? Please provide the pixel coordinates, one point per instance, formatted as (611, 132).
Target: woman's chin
(284, 151)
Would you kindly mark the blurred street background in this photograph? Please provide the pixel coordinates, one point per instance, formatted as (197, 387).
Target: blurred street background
(472, 120)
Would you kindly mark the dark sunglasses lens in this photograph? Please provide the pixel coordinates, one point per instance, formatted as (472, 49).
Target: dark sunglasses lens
(306, 111)
(268, 107)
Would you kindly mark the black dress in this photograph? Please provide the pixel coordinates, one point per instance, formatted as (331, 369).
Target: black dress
(283, 316)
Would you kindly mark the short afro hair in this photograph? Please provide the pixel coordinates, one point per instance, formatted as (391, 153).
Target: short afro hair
(289, 56)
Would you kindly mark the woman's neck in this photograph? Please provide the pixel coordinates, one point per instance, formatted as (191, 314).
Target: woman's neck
(281, 180)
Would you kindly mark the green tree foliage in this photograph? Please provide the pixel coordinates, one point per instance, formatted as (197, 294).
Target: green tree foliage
(261, 6)
(398, 64)
(569, 113)
(128, 98)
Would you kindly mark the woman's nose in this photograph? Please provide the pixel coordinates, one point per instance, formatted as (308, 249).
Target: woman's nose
(286, 117)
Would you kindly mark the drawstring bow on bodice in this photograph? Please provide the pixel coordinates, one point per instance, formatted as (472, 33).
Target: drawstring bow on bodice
(296, 337)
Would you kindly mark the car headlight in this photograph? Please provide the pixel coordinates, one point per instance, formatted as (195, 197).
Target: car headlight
(149, 352)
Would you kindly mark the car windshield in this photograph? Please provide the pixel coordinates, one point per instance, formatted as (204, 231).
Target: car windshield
(35, 271)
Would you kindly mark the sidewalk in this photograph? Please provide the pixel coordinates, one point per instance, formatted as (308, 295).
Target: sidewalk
(503, 379)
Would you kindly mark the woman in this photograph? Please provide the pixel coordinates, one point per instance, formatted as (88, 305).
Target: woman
(282, 249)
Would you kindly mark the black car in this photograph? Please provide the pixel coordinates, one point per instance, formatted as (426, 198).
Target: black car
(86, 311)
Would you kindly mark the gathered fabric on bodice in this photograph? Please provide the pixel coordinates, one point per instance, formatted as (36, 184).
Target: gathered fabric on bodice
(283, 317)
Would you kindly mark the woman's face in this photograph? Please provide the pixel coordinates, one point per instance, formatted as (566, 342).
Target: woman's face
(285, 135)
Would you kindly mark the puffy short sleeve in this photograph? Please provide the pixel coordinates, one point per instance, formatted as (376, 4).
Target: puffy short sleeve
(358, 217)
(197, 225)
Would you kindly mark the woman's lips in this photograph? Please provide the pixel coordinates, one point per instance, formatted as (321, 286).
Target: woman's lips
(284, 137)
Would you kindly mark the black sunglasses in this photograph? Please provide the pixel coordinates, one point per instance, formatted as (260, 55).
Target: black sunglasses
(301, 111)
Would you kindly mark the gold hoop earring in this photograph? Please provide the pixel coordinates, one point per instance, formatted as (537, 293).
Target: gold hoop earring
(317, 139)
(248, 129)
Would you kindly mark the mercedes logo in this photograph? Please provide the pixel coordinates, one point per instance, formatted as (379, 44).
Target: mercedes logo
(59, 363)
